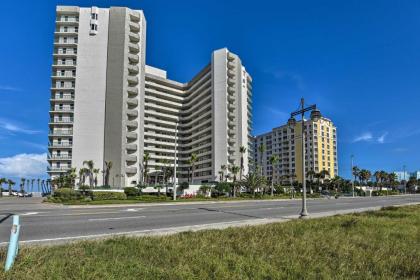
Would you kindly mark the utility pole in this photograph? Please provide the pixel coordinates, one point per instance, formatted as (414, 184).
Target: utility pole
(351, 174)
(176, 134)
(292, 123)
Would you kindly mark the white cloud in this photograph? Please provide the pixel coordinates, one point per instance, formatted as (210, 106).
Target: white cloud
(11, 127)
(8, 88)
(24, 165)
(381, 139)
(367, 136)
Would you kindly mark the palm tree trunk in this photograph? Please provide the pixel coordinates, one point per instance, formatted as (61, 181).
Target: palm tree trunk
(272, 187)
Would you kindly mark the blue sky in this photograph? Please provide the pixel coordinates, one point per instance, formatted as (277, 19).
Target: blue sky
(359, 61)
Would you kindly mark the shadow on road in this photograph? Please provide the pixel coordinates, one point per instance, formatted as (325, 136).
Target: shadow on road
(7, 215)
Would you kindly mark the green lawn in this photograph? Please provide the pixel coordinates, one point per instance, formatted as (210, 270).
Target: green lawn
(372, 245)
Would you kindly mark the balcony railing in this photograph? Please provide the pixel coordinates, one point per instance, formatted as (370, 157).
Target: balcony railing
(58, 169)
(61, 121)
(60, 145)
(61, 133)
(59, 157)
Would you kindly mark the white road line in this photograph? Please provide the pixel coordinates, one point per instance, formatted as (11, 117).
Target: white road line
(29, 213)
(119, 218)
(132, 209)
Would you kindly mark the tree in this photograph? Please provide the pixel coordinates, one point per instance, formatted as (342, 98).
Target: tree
(82, 176)
(95, 180)
(223, 168)
(261, 150)
(2, 181)
(242, 150)
(11, 184)
(274, 159)
(253, 181)
(89, 171)
(108, 166)
(365, 175)
(146, 158)
(22, 184)
(234, 170)
(324, 174)
(192, 161)
(356, 172)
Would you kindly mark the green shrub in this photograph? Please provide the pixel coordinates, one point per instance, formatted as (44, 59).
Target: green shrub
(66, 194)
(108, 196)
(148, 197)
(184, 186)
(131, 191)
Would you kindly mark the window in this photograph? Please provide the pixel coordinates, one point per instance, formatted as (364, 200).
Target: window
(76, 29)
(93, 27)
(65, 28)
(66, 18)
(65, 39)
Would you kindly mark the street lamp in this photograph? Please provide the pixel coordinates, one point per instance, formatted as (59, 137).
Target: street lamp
(315, 115)
(176, 134)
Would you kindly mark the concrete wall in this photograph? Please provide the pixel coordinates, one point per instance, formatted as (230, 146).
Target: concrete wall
(89, 112)
(220, 153)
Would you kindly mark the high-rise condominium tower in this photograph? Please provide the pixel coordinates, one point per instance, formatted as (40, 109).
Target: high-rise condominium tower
(107, 105)
(286, 143)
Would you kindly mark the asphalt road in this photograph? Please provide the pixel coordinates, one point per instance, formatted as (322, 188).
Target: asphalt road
(45, 223)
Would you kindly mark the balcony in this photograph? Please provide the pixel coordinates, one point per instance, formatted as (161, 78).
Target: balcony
(231, 149)
(62, 110)
(132, 80)
(67, 65)
(133, 90)
(132, 102)
(231, 73)
(61, 133)
(64, 77)
(231, 132)
(135, 17)
(63, 98)
(231, 107)
(132, 135)
(131, 158)
(133, 48)
(134, 38)
(132, 113)
(231, 124)
(59, 157)
(230, 57)
(61, 121)
(133, 69)
(65, 33)
(60, 145)
(231, 65)
(133, 58)
(131, 170)
(231, 90)
(131, 147)
(134, 27)
(231, 98)
(132, 124)
(230, 82)
(231, 115)
(58, 169)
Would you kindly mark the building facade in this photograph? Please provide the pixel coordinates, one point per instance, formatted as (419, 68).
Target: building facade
(286, 143)
(107, 105)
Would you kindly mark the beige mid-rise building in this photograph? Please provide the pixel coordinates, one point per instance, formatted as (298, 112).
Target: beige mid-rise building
(285, 142)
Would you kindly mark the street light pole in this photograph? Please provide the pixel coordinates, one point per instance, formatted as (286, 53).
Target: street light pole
(292, 122)
(176, 134)
(351, 174)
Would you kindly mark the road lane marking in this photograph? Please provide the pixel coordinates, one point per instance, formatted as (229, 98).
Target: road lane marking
(132, 210)
(119, 218)
(29, 213)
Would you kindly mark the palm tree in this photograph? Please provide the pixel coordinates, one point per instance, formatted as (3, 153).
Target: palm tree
(2, 181)
(220, 175)
(192, 161)
(324, 174)
(365, 175)
(261, 150)
(274, 159)
(379, 178)
(223, 168)
(146, 158)
(32, 185)
(90, 167)
(82, 176)
(242, 150)
(253, 181)
(356, 172)
(11, 184)
(108, 166)
(95, 180)
(22, 184)
(234, 169)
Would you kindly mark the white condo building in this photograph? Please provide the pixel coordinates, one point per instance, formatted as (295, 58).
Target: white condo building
(108, 105)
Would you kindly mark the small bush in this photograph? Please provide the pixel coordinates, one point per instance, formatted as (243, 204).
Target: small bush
(147, 197)
(108, 196)
(131, 191)
(66, 194)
